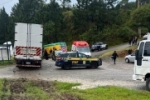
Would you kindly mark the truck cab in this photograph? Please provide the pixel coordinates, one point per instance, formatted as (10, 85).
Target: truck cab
(81, 46)
(142, 63)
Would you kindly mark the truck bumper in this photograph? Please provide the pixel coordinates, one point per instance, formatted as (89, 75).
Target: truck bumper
(28, 63)
(138, 77)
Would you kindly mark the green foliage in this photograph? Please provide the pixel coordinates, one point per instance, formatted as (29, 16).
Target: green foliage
(4, 23)
(125, 32)
(141, 17)
(113, 93)
(65, 85)
(7, 62)
(91, 21)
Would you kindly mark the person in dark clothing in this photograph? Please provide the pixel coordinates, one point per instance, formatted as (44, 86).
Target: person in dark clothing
(45, 55)
(114, 56)
(130, 51)
(130, 40)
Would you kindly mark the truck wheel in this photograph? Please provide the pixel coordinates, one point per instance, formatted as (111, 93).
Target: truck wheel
(99, 49)
(53, 58)
(94, 65)
(148, 84)
(67, 66)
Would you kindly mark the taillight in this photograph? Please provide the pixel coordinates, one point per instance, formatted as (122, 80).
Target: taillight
(59, 58)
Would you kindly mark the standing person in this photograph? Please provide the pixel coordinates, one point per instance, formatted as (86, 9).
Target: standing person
(114, 56)
(130, 40)
(136, 39)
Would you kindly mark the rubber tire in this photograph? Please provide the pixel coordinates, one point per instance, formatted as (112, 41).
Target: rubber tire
(94, 65)
(67, 66)
(92, 50)
(148, 84)
(127, 60)
(99, 49)
(53, 58)
(88, 67)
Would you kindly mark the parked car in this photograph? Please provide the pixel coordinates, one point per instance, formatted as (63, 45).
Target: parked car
(77, 59)
(130, 58)
(55, 54)
(99, 46)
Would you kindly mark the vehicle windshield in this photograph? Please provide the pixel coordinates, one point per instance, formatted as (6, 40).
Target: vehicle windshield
(63, 44)
(98, 43)
(58, 52)
(83, 49)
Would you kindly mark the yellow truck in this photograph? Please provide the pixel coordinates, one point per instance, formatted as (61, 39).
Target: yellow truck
(50, 48)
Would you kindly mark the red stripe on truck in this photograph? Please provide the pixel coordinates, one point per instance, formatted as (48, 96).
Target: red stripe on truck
(18, 50)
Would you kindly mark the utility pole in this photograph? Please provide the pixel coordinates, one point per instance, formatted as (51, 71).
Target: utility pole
(139, 26)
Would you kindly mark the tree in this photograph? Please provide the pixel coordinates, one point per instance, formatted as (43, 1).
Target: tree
(24, 11)
(4, 23)
(141, 16)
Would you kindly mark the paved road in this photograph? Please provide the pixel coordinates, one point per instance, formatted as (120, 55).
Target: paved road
(110, 49)
(107, 74)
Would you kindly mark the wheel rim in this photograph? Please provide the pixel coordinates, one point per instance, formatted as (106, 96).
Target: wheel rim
(126, 60)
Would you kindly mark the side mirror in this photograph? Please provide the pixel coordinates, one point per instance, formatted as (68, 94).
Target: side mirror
(136, 54)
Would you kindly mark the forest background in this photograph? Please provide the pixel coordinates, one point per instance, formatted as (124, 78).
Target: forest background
(110, 21)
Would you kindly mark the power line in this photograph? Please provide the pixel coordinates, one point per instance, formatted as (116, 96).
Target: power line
(6, 2)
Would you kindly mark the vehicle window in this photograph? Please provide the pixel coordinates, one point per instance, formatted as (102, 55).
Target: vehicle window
(97, 43)
(63, 55)
(147, 49)
(83, 49)
(82, 55)
(72, 55)
(141, 49)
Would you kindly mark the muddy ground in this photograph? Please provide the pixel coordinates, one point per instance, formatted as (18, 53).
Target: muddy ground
(16, 89)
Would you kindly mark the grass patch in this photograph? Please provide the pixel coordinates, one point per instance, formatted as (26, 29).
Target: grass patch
(10, 62)
(121, 53)
(24, 89)
(7, 62)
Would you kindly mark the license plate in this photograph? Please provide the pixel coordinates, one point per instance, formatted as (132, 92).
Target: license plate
(28, 62)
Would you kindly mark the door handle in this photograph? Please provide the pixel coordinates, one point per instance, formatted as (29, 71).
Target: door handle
(145, 60)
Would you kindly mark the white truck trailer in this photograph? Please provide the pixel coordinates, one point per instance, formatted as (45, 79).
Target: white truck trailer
(28, 45)
(142, 63)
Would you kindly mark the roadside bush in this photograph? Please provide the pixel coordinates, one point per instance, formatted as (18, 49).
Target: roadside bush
(110, 35)
(125, 32)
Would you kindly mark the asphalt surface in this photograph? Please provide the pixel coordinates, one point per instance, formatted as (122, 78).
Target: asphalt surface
(119, 74)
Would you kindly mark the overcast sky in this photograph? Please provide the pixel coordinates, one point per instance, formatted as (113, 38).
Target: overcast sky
(8, 4)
